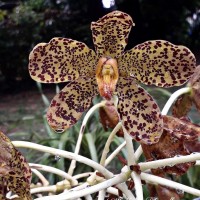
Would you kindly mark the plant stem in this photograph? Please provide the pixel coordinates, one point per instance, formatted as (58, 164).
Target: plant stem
(102, 194)
(44, 181)
(78, 188)
(155, 180)
(106, 149)
(113, 190)
(169, 161)
(74, 195)
(88, 197)
(138, 153)
(59, 172)
(132, 161)
(114, 153)
(80, 136)
(198, 162)
(173, 97)
(86, 174)
(50, 188)
(91, 146)
(106, 173)
(108, 142)
(64, 154)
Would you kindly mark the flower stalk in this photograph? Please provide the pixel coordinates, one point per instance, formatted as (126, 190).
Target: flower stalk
(155, 180)
(80, 136)
(132, 161)
(54, 170)
(169, 161)
(173, 98)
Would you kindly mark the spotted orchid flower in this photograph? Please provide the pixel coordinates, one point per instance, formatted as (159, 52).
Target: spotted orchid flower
(109, 70)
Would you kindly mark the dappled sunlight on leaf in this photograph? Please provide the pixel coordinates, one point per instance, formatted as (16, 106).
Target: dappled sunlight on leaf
(14, 170)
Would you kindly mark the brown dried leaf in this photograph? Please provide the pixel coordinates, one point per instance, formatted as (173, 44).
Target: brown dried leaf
(177, 139)
(194, 83)
(163, 193)
(109, 117)
(193, 146)
(184, 102)
(181, 128)
(168, 146)
(15, 173)
(182, 106)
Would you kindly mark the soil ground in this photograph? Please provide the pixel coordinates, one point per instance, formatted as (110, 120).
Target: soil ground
(22, 112)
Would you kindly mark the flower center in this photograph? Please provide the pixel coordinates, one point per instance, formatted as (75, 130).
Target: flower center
(107, 76)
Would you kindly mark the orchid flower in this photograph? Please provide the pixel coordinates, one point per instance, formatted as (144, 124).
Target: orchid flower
(108, 71)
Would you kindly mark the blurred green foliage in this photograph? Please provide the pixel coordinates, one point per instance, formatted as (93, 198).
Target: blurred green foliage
(30, 22)
(176, 21)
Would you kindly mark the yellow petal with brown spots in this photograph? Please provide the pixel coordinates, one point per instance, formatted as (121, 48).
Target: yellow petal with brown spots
(61, 60)
(139, 112)
(15, 173)
(110, 33)
(159, 62)
(67, 107)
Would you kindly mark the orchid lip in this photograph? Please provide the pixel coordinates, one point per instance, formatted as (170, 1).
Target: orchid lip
(107, 76)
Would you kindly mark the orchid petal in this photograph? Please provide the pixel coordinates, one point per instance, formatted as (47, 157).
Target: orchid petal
(15, 173)
(61, 60)
(110, 33)
(67, 107)
(159, 62)
(139, 112)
